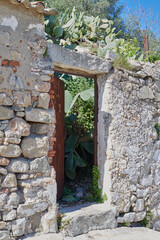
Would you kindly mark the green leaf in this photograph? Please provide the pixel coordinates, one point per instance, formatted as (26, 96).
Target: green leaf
(58, 31)
(69, 23)
(68, 101)
(88, 146)
(85, 95)
(71, 142)
(79, 161)
(70, 175)
(69, 198)
(52, 19)
(70, 162)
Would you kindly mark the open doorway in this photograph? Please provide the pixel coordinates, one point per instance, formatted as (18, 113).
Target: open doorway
(75, 101)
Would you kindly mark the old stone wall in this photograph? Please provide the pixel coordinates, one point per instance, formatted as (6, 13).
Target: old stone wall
(128, 143)
(27, 182)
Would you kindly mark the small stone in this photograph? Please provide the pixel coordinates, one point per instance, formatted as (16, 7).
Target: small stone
(4, 235)
(17, 127)
(129, 217)
(22, 98)
(4, 162)
(13, 199)
(145, 93)
(40, 128)
(40, 165)
(10, 150)
(43, 100)
(17, 108)
(141, 74)
(6, 113)
(12, 140)
(3, 125)
(9, 216)
(45, 78)
(35, 146)
(9, 181)
(22, 176)
(139, 205)
(39, 115)
(20, 114)
(3, 199)
(136, 66)
(147, 181)
(5, 100)
(3, 171)
(42, 87)
(120, 220)
(2, 225)
(19, 165)
(18, 227)
(142, 193)
(139, 216)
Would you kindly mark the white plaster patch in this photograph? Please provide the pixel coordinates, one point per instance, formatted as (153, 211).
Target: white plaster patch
(11, 22)
(38, 26)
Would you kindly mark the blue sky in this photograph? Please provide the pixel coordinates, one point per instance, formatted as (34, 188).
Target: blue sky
(154, 4)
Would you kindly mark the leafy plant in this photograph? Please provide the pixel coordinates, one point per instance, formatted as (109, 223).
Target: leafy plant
(96, 192)
(156, 126)
(122, 62)
(76, 146)
(147, 221)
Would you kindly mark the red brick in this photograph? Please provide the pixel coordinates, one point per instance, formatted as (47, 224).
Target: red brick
(4, 62)
(14, 63)
(14, 69)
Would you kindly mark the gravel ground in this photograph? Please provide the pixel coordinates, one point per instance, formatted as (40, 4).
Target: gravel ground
(123, 233)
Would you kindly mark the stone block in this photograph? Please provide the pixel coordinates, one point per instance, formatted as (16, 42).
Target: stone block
(3, 171)
(3, 225)
(139, 216)
(5, 100)
(129, 217)
(45, 78)
(42, 87)
(3, 199)
(10, 181)
(40, 165)
(13, 199)
(39, 128)
(9, 216)
(22, 98)
(26, 210)
(5, 235)
(49, 222)
(43, 100)
(39, 115)
(35, 146)
(10, 150)
(6, 113)
(17, 127)
(12, 140)
(3, 125)
(4, 38)
(19, 165)
(18, 227)
(145, 93)
(139, 206)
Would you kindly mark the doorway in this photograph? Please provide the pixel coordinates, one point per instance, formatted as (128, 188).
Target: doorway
(57, 96)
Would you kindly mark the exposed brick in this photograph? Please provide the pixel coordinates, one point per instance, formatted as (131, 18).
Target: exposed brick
(14, 69)
(4, 62)
(51, 153)
(14, 63)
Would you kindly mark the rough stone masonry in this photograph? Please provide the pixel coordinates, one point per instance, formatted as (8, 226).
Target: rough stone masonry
(27, 182)
(129, 141)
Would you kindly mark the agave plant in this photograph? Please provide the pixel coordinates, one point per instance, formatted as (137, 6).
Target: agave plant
(76, 147)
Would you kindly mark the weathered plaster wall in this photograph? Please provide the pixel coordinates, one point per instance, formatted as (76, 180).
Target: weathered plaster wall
(27, 182)
(128, 144)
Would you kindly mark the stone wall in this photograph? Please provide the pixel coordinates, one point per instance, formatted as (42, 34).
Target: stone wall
(27, 182)
(128, 143)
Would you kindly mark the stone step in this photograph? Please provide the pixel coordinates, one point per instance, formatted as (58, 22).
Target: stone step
(82, 219)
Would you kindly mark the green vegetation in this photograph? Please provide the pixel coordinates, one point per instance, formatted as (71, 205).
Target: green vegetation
(122, 62)
(147, 221)
(96, 192)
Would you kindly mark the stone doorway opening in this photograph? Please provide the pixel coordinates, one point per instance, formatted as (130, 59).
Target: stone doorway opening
(71, 131)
